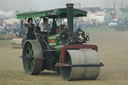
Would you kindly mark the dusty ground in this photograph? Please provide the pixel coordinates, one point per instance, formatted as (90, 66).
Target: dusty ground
(113, 49)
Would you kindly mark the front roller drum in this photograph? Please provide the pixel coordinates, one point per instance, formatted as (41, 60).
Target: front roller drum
(81, 57)
(32, 57)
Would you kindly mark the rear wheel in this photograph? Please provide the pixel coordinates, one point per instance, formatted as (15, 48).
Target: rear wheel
(32, 57)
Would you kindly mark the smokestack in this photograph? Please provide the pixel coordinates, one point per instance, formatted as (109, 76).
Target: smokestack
(70, 16)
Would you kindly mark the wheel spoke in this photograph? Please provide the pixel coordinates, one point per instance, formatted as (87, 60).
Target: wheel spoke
(28, 65)
(29, 57)
(31, 52)
(29, 49)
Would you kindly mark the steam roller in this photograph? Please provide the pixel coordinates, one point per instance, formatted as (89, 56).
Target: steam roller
(73, 62)
(64, 49)
(16, 42)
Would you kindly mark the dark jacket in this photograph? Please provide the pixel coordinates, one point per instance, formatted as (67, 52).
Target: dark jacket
(30, 31)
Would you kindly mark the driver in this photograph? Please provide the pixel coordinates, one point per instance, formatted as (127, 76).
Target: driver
(45, 25)
(64, 31)
(63, 28)
(30, 31)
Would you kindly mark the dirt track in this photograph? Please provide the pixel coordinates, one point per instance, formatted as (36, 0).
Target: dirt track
(113, 50)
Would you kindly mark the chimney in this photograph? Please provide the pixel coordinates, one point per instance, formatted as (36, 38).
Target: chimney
(70, 15)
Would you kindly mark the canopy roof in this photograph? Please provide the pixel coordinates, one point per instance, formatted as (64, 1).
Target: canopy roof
(61, 13)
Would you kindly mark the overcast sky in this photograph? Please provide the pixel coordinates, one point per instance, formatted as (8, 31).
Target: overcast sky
(25, 5)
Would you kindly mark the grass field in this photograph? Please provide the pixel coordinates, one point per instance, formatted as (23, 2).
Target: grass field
(113, 50)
